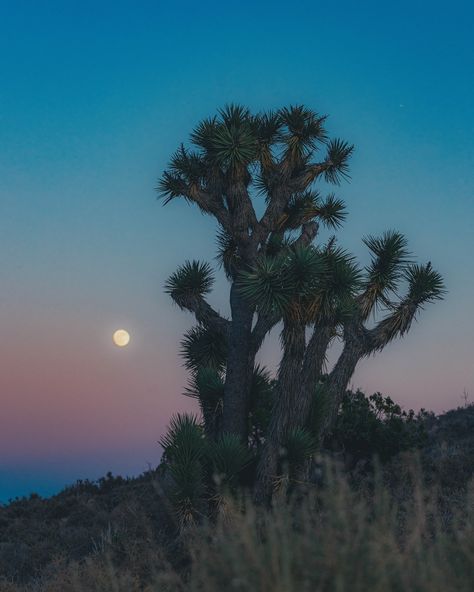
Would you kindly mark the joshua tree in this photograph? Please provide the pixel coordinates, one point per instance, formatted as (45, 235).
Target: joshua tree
(237, 158)
(278, 275)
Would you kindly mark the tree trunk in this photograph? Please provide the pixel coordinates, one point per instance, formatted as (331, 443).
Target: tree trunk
(314, 361)
(239, 367)
(337, 382)
(283, 412)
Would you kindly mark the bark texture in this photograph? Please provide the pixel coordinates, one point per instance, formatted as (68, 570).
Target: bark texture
(336, 385)
(240, 364)
(283, 413)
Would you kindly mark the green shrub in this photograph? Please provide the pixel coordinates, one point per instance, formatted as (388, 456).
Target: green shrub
(376, 426)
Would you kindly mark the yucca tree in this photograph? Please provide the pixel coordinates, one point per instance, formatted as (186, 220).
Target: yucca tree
(278, 275)
(234, 159)
(323, 291)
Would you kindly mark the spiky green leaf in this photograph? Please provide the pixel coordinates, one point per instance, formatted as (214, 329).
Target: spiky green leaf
(207, 385)
(192, 279)
(298, 446)
(332, 211)
(425, 284)
(203, 347)
(184, 438)
(338, 155)
(229, 457)
(303, 130)
(390, 257)
(265, 284)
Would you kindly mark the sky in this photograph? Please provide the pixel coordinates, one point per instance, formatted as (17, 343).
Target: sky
(95, 97)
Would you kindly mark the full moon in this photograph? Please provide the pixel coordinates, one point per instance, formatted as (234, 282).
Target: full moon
(121, 338)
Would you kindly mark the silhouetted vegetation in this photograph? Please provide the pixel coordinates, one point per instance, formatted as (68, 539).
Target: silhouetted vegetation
(126, 533)
(376, 426)
(279, 273)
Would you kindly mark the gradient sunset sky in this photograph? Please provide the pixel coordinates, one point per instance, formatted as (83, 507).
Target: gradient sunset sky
(94, 98)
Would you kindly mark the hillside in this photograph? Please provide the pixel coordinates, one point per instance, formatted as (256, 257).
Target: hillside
(84, 519)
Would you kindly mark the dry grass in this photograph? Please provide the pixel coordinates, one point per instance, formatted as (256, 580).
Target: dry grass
(330, 539)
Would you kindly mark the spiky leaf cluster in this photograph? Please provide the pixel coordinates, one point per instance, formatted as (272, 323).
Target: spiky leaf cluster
(269, 147)
(425, 284)
(298, 446)
(207, 387)
(302, 130)
(191, 280)
(199, 467)
(183, 449)
(305, 207)
(398, 285)
(277, 283)
(338, 153)
(184, 438)
(266, 128)
(333, 301)
(203, 347)
(302, 282)
(389, 258)
(265, 285)
(228, 458)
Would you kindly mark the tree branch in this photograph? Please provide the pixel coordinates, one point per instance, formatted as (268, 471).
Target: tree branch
(310, 173)
(269, 221)
(242, 217)
(205, 314)
(336, 385)
(264, 324)
(210, 204)
(392, 326)
(309, 230)
(282, 194)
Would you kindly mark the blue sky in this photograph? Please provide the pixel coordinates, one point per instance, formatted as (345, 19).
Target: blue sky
(95, 97)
